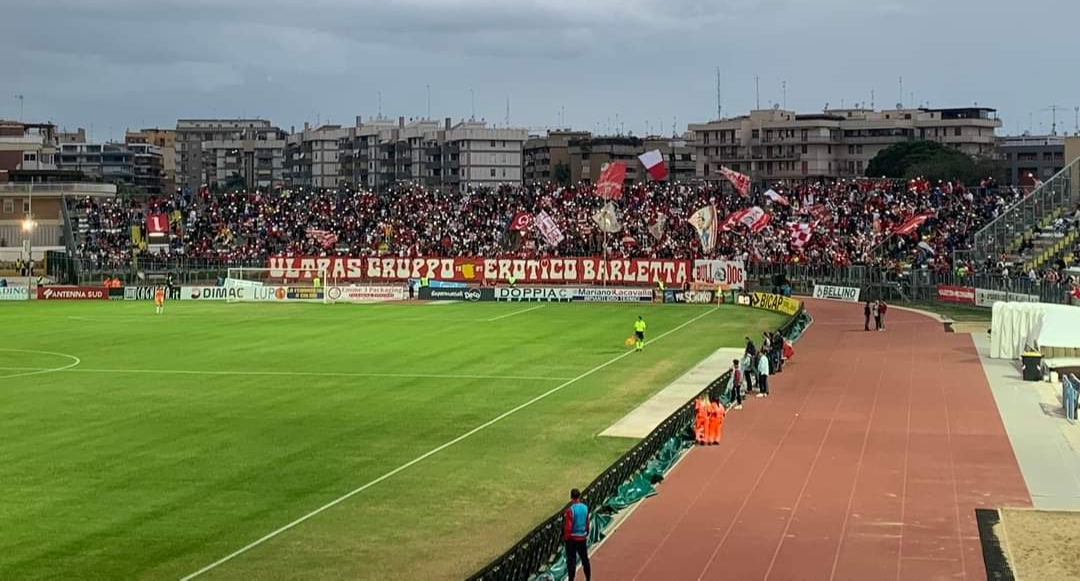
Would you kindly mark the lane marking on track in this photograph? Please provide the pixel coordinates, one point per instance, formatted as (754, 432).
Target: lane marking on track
(432, 452)
(39, 370)
(29, 371)
(508, 315)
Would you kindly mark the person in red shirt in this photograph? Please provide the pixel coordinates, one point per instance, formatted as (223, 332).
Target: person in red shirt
(882, 307)
(576, 524)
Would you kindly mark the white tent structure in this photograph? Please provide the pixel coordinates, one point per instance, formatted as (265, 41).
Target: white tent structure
(1053, 330)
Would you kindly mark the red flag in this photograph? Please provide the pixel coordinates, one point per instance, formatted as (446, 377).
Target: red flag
(911, 225)
(755, 218)
(610, 184)
(323, 237)
(732, 219)
(521, 222)
(774, 196)
(740, 181)
(654, 163)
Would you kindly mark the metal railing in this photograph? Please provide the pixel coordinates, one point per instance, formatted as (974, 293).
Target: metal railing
(76, 188)
(1059, 193)
(540, 547)
(911, 285)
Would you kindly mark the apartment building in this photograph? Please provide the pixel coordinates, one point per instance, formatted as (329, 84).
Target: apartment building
(26, 147)
(779, 145)
(137, 165)
(165, 141)
(542, 156)
(380, 153)
(1031, 157)
(223, 152)
(312, 156)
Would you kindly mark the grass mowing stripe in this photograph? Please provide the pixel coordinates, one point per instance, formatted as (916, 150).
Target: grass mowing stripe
(431, 453)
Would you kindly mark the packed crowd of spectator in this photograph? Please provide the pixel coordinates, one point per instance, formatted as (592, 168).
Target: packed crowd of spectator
(851, 223)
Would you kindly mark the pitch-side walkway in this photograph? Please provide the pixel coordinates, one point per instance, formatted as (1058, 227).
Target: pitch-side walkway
(1047, 445)
(866, 463)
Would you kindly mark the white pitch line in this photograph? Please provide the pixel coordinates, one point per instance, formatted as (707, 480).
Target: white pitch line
(430, 453)
(508, 315)
(28, 371)
(288, 373)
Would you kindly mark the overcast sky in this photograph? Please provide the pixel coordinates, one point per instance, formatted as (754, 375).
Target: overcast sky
(115, 64)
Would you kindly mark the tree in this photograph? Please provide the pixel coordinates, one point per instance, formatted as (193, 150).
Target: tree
(562, 174)
(927, 159)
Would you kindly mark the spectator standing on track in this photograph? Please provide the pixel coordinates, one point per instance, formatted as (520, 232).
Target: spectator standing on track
(866, 316)
(763, 374)
(750, 357)
(777, 353)
(882, 307)
(736, 384)
(701, 419)
(716, 422)
(576, 524)
(876, 314)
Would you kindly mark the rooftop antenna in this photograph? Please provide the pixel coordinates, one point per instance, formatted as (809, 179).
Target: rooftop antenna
(506, 122)
(21, 98)
(379, 94)
(1053, 109)
(428, 101)
(674, 124)
(901, 101)
(719, 107)
(871, 98)
(783, 91)
(1076, 120)
(757, 92)
(472, 104)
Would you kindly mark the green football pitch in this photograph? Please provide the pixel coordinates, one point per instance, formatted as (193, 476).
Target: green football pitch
(253, 441)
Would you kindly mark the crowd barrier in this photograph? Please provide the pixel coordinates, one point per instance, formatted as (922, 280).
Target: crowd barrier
(539, 555)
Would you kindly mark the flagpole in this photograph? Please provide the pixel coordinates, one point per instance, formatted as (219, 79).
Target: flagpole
(604, 282)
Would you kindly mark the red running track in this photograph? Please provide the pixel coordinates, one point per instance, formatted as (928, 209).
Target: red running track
(865, 463)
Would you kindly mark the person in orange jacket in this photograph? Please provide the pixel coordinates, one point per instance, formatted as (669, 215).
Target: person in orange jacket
(716, 422)
(701, 419)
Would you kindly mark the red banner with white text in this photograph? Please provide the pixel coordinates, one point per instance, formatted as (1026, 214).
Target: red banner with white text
(956, 294)
(72, 293)
(490, 270)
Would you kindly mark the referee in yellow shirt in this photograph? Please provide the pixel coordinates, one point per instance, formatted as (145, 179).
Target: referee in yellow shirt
(639, 333)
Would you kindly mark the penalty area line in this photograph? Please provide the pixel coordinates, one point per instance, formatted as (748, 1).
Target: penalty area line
(431, 453)
(508, 315)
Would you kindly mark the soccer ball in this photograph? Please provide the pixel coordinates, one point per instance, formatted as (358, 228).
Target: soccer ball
(629, 341)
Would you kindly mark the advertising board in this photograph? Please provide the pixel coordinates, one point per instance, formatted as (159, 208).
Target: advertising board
(726, 274)
(534, 294)
(72, 293)
(364, 294)
(146, 293)
(846, 294)
(956, 294)
(776, 303)
(214, 293)
(613, 295)
(457, 294)
(702, 297)
(13, 293)
(987, 298)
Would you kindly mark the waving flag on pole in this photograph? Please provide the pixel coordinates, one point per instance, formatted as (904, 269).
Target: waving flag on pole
(609, 186)
(740, 181)
(912, 224)
(801, 234)
(521, 222)
(772, 195)
(548, 228)
(657, 226)
(607, 219)
(755, 219)
(704, 221)
(654, 163)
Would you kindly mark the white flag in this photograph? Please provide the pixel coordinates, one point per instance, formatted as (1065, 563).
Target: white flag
(607, 219)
